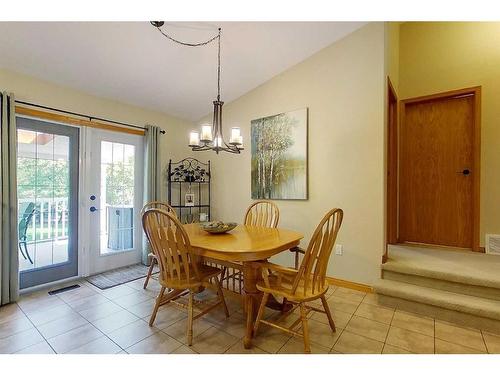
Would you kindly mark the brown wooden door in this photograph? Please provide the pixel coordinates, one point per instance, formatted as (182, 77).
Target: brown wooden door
(436, 171)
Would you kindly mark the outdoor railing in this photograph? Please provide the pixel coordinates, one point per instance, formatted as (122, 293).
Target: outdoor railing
(50, 221)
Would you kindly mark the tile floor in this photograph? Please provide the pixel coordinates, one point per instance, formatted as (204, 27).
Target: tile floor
(89, 320)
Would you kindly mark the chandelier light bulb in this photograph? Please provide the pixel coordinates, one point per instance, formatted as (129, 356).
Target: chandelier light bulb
(194, 138)
(206, 133)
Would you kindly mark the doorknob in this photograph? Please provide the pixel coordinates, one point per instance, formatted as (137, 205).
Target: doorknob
(464, 172)
(93, 209)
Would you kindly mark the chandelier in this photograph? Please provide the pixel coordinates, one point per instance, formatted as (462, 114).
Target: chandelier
(211, 137)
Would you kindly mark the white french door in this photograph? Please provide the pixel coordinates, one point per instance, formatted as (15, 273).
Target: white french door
(114, 199)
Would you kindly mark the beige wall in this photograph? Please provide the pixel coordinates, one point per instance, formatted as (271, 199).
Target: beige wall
(442, 56)
(37, 91)
(392, 53)
(343, 87)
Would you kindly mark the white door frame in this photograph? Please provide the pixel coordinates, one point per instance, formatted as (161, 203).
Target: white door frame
(91, 260)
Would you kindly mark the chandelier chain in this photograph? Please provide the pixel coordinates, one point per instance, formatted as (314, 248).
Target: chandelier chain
(215, 37)
(215, 141)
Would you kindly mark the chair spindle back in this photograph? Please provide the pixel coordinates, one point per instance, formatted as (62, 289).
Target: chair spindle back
(312, 270)
(262, 214)
(158, 204)
(170, 244)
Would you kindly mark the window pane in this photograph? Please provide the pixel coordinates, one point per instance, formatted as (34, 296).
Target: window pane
(117, 197)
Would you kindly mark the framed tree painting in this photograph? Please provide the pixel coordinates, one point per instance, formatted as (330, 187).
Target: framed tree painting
(279, 156)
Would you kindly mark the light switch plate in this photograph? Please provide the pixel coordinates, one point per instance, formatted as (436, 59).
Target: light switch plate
(339, 249)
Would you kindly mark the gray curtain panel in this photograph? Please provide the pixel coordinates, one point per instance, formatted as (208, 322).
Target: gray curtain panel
(152, 175)
(9, 264)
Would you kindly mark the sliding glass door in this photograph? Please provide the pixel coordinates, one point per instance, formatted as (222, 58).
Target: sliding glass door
(47, 170)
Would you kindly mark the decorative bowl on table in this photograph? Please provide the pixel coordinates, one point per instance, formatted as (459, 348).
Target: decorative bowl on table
(217, 227)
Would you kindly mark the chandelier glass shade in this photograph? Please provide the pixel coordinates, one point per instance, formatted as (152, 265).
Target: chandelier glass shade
(211, 137)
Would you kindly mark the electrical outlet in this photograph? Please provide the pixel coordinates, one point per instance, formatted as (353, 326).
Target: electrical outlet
(339, 249)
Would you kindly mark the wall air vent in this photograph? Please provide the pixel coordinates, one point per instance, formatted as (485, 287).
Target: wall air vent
(493, 244)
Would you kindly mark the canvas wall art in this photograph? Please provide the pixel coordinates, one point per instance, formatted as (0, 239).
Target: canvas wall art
(279, 156)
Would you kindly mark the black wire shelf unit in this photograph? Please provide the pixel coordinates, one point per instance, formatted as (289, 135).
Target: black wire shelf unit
(193, 177)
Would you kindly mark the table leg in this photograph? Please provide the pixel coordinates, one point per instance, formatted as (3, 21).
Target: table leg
(252, 299)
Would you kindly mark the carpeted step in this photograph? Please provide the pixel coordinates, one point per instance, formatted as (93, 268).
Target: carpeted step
(459, 266)
(449, 286)
(483, 307)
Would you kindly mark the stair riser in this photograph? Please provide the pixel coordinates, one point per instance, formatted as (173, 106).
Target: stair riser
(440, 313)
(450, 286)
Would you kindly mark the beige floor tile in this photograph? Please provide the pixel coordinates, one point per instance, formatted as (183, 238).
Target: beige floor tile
(350, 343)
(142, 309)
(330, 290)
(411, 341)
(339, 318)
(270, 339)
(20, 341)
(114, 321)
(371, 299)
(132, 299)
(368, 328)
(157, 343)
(445, 347)
(178, 330)
(461, 336)
(321, 333)
(117, 292)
(413, 322)
(235, 325)
(131, 334)
(342, 304)
(40, 348)
(61, 325)
(102, 345)
(76, 294)
(296, 346)
(75, 338)
(183, 350)
(492, 342)
(47, 316)
(213, 341)
(10, 312)
(239, 348)
(14, 326)
(101, 311)
(373, 312)
(137, 284)
(86, 303)
(41, 303)
(168, 315)
(349, 294)
(389, 349)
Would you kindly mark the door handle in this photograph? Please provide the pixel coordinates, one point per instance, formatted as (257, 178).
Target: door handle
(93, 209)
(465, 172)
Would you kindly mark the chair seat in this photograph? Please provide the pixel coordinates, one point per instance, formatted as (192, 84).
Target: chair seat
(284, 289)
(205, 271)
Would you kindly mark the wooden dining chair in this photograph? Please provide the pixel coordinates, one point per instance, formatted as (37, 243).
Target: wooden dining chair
(305, 284)
(153, 261)
(262, 214)
(180, 269)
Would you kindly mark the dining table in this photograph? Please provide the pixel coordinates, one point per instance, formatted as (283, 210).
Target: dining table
(246, 245)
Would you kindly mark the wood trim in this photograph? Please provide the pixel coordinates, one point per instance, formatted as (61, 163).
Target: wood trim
(476, 176)
(476, 183)
(24, 111)
(392, 169)
(349, 284)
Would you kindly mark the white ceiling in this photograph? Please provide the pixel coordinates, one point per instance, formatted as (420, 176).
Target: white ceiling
(133, 63)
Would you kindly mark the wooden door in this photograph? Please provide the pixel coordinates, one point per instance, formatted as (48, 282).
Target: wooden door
(437, 193)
